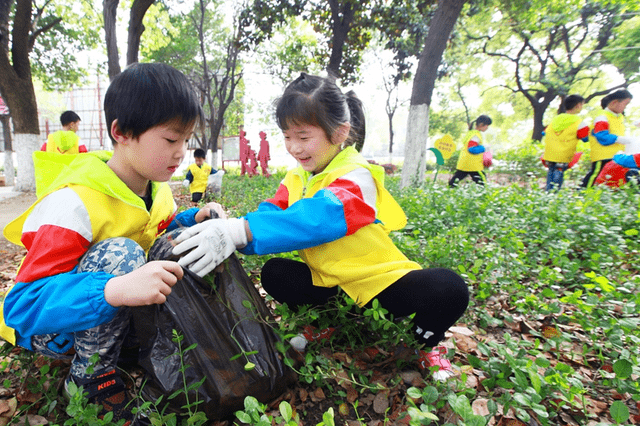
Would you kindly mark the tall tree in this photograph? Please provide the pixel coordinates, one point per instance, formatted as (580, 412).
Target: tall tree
(344, 25)
(441, 26)
(21, 28)
(552, 47)
(205, 49)
(136, 28)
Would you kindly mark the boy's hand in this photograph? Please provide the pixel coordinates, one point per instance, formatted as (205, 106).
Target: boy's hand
(212, 242)
(150, 284)
(205, 212)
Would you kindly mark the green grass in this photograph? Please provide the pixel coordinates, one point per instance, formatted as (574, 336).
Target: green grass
(554, 309)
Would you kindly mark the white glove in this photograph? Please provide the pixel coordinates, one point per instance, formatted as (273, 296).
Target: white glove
(186, 183)
(212, 241)
(625, 140)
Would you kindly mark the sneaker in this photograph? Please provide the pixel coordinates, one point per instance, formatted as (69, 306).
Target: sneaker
(310, 334)
(107, 390)
(427, 360)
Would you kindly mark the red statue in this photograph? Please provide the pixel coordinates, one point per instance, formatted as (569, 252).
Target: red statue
(263, 154)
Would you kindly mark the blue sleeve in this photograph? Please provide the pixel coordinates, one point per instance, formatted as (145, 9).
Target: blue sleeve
(62, 303)
(625, 160)
(479, 149)
(184, 219)
(306, 223)
(213, 171)
(605, 138)
(189, 176)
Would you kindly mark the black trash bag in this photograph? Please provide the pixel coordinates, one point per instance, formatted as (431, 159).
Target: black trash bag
(225, 319)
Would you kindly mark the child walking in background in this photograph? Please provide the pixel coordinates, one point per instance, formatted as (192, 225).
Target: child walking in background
(470, 162)
(561, 138)
(87, 235)
(334, 210)
(607, 133)
(198, 175)
(65, 141)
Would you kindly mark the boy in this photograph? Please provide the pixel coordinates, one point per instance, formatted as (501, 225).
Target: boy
(561, 139)
(65, 141)
(87, 235)
(198, 175)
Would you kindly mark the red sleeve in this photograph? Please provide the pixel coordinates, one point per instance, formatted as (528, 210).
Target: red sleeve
(600, 124)
(281, 198)
(82, 148)
(56, 235)
(474, 141)
(357, 213)
(43, 147)
(583, 131)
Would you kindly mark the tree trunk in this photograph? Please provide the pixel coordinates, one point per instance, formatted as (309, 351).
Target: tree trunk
(18, 93)
(342, 17)
(109, 10)
(138, 9)
(539, 107)
(9, 170)
(415, 148)
(26, 144)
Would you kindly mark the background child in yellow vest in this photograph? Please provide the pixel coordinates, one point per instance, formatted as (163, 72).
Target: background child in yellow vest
(65, 141)
(334, 210)
(561, 138)
(198, 175)
(471, 155)
(607, 133)
(87, 235)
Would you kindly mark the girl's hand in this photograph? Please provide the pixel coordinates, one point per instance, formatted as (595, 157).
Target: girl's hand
(150, 284)
(205, 212)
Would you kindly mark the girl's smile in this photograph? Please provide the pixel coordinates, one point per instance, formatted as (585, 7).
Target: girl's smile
(310, 146)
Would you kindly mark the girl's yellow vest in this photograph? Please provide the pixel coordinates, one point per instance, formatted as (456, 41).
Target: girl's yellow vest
(468, 162)
(367, 261)
(616, 127)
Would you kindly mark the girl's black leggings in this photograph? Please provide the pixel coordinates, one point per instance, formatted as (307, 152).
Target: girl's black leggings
(437, 296)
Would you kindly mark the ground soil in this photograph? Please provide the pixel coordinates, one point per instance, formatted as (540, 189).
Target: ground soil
(10, 208)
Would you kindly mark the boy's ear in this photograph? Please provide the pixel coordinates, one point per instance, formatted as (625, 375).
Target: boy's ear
(341, 134)
(117, 133)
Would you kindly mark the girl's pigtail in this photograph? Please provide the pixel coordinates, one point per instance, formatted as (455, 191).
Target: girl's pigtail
(358, 128)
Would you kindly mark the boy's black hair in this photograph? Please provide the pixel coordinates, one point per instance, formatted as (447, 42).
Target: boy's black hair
(482, 119)
(571, 101)
(68, 117)
(318, 101)
(199, 153)
(147, 95)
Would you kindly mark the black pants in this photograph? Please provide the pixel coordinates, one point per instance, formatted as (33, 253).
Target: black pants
(477, 177)
(437, 296)
(196, 196)
(596, 168)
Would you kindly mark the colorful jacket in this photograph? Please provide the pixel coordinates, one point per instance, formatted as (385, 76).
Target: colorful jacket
(614, 173)
(607, 126)
(471, 157)
(339, 221)
(562, 136)
(80, 202)
(199, 176)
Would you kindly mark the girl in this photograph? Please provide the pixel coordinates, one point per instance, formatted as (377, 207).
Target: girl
(607, 134)
(335, 211)
(470, 161)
